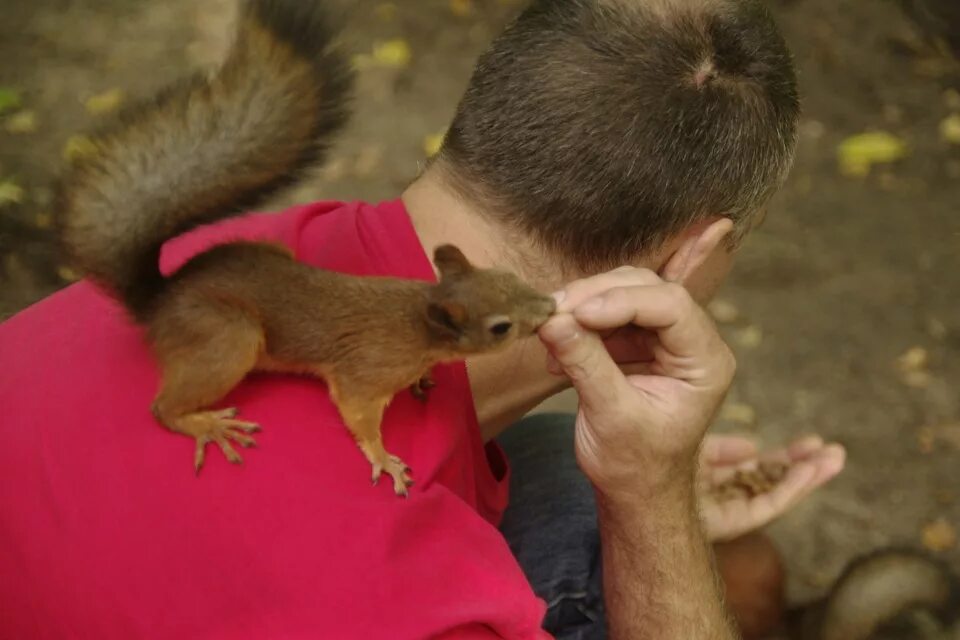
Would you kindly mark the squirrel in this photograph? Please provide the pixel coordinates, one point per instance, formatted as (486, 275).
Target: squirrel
(214, 146)
(889, 594)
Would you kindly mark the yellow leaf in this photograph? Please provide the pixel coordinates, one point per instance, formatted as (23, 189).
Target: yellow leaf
(723, 311)
(78, 147)
(104, 102)
(43, 220)
(461, 7)
(750, 337)
(950, 128)
(913, 359)
(392, 53)
(738, 412)
(22, 122)
(68, 274)
(9, 99)
(939, 535)
(10, 192)
(432, 143)
(858, 153)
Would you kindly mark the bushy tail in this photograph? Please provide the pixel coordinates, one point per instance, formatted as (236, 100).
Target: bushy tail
(876, 595)
(205, 149)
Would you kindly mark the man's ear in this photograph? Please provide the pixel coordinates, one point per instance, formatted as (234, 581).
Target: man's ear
(451, 261)
(697, 244)
(447, 316)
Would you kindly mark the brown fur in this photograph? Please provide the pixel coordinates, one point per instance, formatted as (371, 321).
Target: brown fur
(224, 315)
(212, 147)
(204, 149)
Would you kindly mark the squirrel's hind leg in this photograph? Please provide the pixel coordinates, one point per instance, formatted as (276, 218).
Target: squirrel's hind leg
(200, 365)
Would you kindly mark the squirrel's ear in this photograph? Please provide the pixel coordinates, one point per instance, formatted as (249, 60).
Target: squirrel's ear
(447, 316)
(451, 261)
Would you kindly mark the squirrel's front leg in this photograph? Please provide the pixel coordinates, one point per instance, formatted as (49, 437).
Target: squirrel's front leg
(362, 415)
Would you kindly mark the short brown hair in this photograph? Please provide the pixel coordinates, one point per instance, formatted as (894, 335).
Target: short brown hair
(601, 127)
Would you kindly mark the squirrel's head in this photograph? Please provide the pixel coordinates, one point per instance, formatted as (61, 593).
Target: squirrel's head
(479, 310)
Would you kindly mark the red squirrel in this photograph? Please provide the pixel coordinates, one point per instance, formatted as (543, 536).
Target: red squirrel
(212, 147)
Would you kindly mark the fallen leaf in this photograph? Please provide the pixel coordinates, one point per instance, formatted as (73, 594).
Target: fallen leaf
(104, 102)
(432, 143)
(913, 359)
(9, 99)
(723, 311)
(858, 153)
(21, 122)
(925, 440)
(10, 192)
(68, 274)
(78, 147)
(738, 412)
(392, 53)
(461, 7)
(386, 11)
(950, 128)
(43, 220)
(750, 337)
(939, 535)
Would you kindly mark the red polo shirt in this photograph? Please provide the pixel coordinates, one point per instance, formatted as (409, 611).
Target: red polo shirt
(105, 532)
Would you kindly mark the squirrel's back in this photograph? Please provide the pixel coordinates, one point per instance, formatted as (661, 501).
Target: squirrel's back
(206, 148)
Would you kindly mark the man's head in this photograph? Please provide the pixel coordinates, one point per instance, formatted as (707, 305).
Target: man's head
(610, 130)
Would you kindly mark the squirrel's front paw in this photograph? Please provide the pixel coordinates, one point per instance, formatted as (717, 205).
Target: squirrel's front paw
(419, 388)
(219, 427)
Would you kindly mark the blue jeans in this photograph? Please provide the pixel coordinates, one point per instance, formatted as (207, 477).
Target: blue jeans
(551, 525)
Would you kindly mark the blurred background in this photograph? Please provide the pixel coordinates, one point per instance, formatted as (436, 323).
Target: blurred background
(844, 308)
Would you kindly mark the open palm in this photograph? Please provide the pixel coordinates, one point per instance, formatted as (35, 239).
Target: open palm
(810, 464)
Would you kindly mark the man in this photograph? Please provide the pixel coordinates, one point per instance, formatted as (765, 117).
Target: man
(593, 135)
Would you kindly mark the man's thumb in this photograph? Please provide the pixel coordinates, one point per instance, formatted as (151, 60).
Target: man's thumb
(584, 360)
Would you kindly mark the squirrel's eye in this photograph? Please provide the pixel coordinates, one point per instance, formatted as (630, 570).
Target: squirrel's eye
(500, 328)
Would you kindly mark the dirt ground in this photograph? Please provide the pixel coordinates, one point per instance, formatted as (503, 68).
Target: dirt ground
(846, 275)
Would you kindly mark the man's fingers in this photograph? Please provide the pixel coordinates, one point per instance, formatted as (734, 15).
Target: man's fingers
(829, 462)
(805, 446)
(798, 483)
(582, 357)
(721, 450)
(581, 290)
(683, 329)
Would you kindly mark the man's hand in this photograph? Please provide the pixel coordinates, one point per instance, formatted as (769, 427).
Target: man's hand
(646, 403)
(810, 464)
(651, 371)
